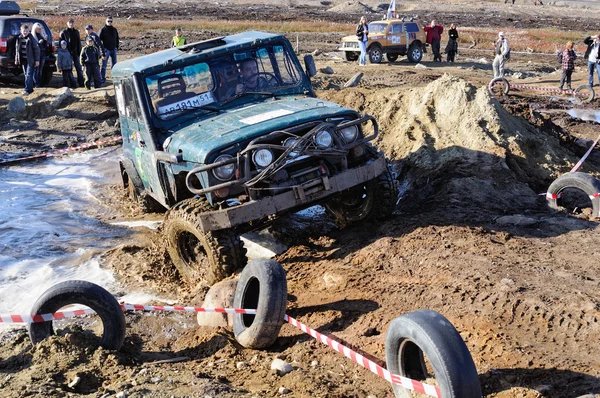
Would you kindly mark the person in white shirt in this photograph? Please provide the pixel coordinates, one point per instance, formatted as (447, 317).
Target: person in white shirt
(502, 51)
(592, 54)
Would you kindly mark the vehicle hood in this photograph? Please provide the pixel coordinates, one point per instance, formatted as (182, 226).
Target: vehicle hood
(350, 38)
(197, 140)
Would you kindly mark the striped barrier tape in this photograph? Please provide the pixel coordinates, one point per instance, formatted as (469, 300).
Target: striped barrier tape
(355, 357)
(546, 89)
(62, 151)
(578, 165)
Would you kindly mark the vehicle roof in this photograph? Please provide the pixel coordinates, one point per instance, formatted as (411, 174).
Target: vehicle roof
(392, 20)
(183, 54)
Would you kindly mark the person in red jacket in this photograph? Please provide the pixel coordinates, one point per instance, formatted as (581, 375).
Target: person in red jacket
(434, 37)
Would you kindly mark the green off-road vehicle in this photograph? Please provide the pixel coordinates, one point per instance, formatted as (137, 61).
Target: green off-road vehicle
(227, 135)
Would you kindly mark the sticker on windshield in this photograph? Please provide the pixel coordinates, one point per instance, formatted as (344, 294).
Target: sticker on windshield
(265, 116)
(188, 103)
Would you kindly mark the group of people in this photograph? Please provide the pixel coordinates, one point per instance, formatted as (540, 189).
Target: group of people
(31, 46)
(434, 39)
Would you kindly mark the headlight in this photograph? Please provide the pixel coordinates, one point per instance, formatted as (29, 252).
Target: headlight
(349, 133)
(323, 139)
(262, 158)
(288, 143)
(224, 173)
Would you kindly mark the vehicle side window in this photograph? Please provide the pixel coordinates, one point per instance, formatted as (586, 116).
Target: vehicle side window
(412, 27)
(395, 28)
(130, 102)
(288, 72)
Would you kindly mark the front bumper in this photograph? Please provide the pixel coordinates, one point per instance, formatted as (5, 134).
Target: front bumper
(299, 197)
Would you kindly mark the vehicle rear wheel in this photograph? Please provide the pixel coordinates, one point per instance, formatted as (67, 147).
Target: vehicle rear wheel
(47, 74)
(137, 194)
(392, 57)
(415, 53)
(197, 255)
(373, 199)
(375, 54)
(351, 56)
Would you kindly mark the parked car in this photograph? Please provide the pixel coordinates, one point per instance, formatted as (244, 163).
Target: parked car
(225, 158)
(392, 37)
(10, 28)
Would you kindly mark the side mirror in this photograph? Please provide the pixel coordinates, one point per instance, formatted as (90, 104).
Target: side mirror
(309, 65)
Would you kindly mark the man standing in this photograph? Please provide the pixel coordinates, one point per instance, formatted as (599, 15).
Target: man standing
(110, 39)
(434, 37)
(27, 54)
(73, 39)
(90, 34)
(592, 54)
(502, 51)
(90, 56)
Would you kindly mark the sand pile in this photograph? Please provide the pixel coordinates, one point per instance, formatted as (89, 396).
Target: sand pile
(457, 143)
(351, 7)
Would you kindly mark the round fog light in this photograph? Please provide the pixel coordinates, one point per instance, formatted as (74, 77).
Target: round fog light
(262, 158)
(358, 151)
(222, 193)
(323, 139)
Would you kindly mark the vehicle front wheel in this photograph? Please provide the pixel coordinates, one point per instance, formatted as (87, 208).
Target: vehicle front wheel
(415, 53)
(375, 199)
(392, 57)
(351, 56)
(375, 54)
(197, 255)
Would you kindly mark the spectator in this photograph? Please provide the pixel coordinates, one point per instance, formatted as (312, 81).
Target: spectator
(89, 30)
(452, 46)
(73, 39)
(506, 1)
(434, 37)
(27, 55)
(64, 63)
(110, 39)
(90, 57)
(592, 54)
(362, 33)
(502, 51)
(178, 40)
(41, 37)
(568, 58)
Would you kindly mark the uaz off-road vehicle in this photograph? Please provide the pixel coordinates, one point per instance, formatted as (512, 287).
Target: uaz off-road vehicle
(226, 163)
(392, 37)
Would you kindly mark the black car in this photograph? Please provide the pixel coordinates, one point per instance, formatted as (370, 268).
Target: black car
(10, 28)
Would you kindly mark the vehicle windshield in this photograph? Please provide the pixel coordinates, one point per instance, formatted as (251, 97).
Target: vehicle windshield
(377, 28)
(221, 80)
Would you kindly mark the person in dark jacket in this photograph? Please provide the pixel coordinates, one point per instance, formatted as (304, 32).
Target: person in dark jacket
(90, 58)
(27, 55)
(110, 40)
(452, 46)
(592, 55)
(568, 58)
(64, 63)
(362, 33)
(89, 31)
(41, 37)
(73, 39)
(434, 37)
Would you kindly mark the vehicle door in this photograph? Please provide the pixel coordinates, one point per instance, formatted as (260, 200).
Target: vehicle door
(395, 38)
(412, 30)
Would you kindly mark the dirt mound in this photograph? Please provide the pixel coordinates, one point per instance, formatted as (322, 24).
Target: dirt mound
(351, 7)
(454, 141)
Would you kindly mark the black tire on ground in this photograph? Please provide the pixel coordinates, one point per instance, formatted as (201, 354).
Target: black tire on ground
(136, 192)
(581, 181)
(372, 200)
(209, 256)
(499, 86)
(585, 93)
(262, 286)
(415, 53)
(427, 334)
(85, 293)
(375, 54)
(392, 57)
(47, 74)
(351, 56)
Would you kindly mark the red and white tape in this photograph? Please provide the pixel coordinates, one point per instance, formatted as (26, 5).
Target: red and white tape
(62, 151)
(136, 307)
(546, 89)
(355, 357)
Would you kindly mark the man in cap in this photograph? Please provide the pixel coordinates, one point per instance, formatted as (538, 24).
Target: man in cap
(90, 34)
(73, 39)
(502, 51)
(90, 57)
(110, 40)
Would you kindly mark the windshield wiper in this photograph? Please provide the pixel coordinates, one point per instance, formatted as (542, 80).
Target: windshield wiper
(265, 93)
(193, 108)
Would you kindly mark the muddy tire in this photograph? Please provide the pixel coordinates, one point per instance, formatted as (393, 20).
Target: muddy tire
(375, 54)
(427, 334)
(351, 56)
(85, 293)
(499, 86)
(262, 286)
(209, 256)
(136, 192)
(581, 181)
(415, 53)
(372, 200)
(392, 57)
(585, 93)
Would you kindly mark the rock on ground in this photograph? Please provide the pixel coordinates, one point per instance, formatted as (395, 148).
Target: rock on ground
(220, 295)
